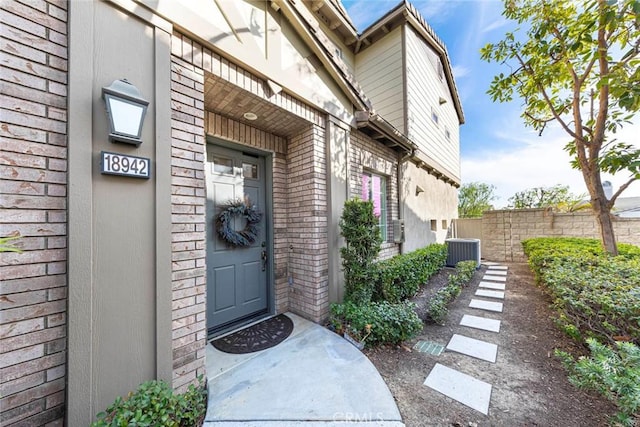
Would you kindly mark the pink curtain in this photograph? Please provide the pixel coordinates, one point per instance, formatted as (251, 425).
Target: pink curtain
(365, 187)
(375, 190)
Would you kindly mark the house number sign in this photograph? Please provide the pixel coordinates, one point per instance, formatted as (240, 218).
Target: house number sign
(119, 164)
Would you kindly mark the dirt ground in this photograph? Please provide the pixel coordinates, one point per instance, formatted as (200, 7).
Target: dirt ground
(530, 386)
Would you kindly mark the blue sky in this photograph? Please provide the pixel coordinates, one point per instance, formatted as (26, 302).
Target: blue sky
(496, 147)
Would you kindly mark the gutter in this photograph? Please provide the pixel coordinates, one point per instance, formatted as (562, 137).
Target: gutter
(381, 130)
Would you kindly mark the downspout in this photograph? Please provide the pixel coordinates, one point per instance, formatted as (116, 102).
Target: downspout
(401, 159)
(405, 110)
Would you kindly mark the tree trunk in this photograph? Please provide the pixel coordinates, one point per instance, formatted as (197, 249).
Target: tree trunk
(603, 216)
(601, 209)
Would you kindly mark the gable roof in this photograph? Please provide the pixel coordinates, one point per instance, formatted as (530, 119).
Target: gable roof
(309, 29)
(301, 16)
(403, 13)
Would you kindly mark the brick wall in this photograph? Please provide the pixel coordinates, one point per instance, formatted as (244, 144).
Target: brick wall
(502, 231)
(366, 153)
(33, 167)
(188, 217)
(307, 224)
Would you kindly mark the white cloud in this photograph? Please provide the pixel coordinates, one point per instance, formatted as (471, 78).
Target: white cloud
(534, 162)
(436, 11)
(460, 71)
(499, 23)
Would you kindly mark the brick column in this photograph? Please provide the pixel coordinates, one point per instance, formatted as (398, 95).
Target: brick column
(307, 213)
(33, 167)
(188, 219)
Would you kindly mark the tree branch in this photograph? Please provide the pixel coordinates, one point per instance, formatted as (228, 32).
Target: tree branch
(555, 114)
(623, 187)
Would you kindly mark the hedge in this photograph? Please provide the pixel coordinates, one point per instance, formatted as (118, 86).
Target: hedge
(400, 277)
(596, 295)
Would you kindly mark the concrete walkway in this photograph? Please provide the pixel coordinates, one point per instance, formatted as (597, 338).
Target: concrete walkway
(466, 389)
(314, 378)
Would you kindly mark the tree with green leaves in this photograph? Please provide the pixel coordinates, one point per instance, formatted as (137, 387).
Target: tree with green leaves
(558, 197)
(475, 198)
(578, 66)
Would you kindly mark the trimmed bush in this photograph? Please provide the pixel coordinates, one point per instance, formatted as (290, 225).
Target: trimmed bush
(612, 372)
(359, 227)
(595, 295)
(400, 277)
(438, 305)
(155, 404)
(598, 302)
(377, 322)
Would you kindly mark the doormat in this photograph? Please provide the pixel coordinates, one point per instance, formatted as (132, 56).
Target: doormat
(258, 337)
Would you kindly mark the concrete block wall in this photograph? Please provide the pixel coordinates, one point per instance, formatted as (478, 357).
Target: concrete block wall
(366, 153)
(33, 202)
(503, 230)
(189, 331)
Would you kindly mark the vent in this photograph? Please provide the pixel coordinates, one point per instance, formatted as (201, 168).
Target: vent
(398, 230)
(463, 250)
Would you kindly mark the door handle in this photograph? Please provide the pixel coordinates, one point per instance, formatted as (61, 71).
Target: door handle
(264, 260)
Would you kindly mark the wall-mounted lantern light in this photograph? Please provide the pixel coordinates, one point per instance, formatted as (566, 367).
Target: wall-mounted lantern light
(419, 190)
(126, 109)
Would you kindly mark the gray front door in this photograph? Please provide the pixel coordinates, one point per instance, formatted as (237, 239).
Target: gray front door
(237, 286)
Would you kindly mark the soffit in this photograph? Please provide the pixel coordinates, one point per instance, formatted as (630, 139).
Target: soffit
(229, 100)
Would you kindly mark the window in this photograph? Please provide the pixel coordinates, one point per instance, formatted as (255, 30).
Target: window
(222, 165)
(447, 134)
(374, 188)
(434, 116)
(249, 170)
(434, 225)
(444, 224)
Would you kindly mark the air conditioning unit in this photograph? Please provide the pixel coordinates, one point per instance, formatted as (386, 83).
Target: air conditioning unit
(463, 250)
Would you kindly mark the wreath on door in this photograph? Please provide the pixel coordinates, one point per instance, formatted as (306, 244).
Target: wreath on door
(224, 223)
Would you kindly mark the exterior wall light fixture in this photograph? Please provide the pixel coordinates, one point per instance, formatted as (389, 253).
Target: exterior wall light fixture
(126, 109)
(419, 190)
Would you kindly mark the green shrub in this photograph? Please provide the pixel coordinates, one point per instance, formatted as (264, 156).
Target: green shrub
(359, 227)
(438, 309)
(612, 372)
(598, 300)
(155, 404)
(400, 277)
(595, 295)
(377, 322)
(7, 244)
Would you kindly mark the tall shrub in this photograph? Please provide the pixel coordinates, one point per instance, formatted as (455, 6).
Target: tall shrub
(359, 227)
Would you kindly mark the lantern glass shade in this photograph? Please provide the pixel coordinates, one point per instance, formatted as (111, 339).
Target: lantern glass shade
(126, 110)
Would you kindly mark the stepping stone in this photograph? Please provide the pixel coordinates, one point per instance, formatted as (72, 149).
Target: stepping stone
(432, 348)
(491, 325)
(464, 388)
(494, 278)
(490, 294)
(490, 263)
(486, 305)
(497, 272)
(490, 285)
(472, 347)
(498, 267)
